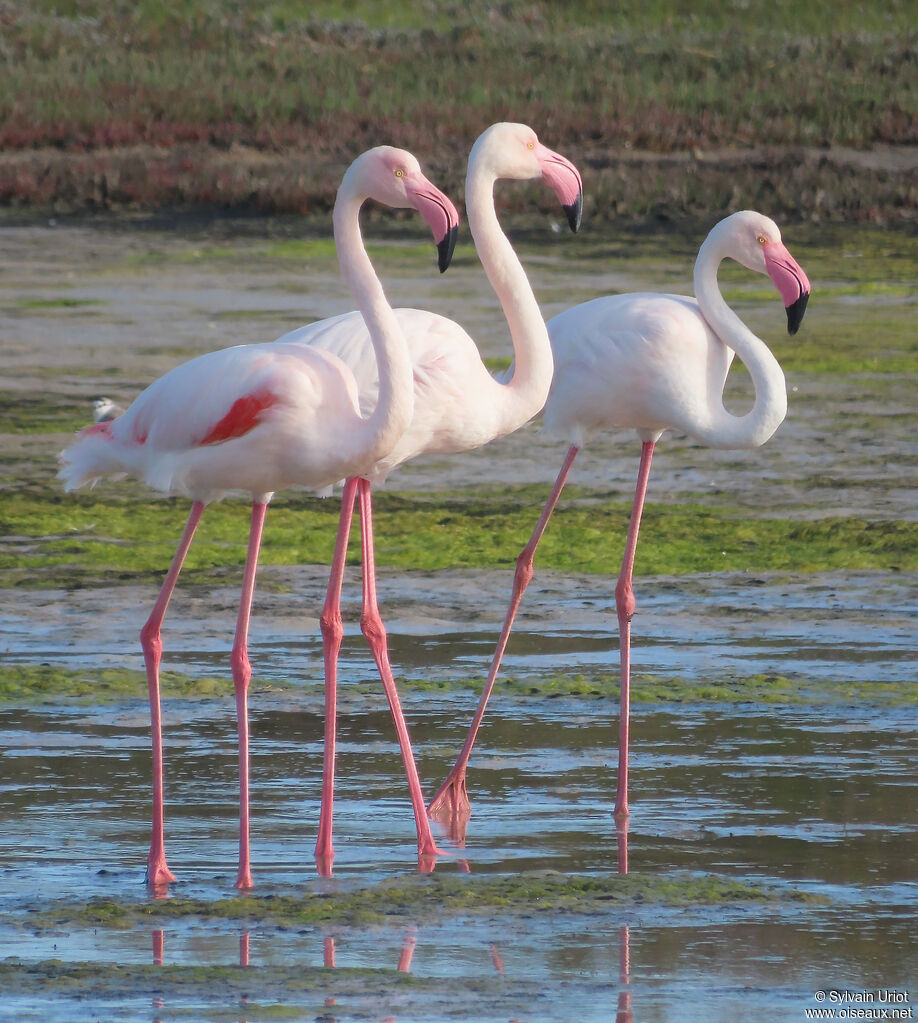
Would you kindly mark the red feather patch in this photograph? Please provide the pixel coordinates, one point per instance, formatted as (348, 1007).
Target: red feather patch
(104, 428)
(244, 415)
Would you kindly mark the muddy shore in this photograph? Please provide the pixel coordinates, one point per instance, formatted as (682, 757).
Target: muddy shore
(832, 184)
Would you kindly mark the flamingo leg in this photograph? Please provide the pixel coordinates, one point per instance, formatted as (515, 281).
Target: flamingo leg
(451, 802)
(372, 626)
(242, 675)
(332, 634)
(158, 871)
(624, 605)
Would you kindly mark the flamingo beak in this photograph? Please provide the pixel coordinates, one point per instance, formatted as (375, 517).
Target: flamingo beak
(445, 247)
(795, 313)
(441, 215)
(574, 213)
(790, 280)
(562, 176)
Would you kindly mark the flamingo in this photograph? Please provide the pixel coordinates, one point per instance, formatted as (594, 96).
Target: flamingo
(651, 362)
(260, 418)
(458, 404)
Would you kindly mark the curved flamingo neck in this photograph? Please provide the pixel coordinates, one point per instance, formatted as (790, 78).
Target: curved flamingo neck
(770, 407)
(524, 395)
(395, 405)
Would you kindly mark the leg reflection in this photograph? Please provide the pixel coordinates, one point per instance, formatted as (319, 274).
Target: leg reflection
(623, 1013)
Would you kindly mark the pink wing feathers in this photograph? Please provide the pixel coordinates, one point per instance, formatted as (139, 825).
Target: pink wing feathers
(177, 425)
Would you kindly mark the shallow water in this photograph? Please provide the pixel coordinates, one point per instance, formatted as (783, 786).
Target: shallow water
(817, 798)
(804, 798)
(853, 626)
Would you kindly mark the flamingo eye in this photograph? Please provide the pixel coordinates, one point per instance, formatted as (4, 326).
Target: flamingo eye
(399, 173)
(530, 145)
(762, 240)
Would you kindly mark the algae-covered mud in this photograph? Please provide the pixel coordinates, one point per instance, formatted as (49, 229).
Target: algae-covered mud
(770, 849)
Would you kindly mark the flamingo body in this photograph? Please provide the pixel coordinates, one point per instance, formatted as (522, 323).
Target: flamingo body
(457, 402)
(650, 362)
(255, 418)
(262, 418)
(642, 361)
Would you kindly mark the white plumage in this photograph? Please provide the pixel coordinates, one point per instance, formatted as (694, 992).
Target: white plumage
(261, 418)
(283, 403)
(458, 404)
(650, 362)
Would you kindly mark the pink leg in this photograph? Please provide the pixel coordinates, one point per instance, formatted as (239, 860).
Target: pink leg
(451, 802)
(404, 960)
(332, 633)
(158, 872)
(242, 675)
(375, 632)
(624, 604)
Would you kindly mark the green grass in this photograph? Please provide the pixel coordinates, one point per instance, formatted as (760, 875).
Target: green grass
(332, 78)
(668, 73)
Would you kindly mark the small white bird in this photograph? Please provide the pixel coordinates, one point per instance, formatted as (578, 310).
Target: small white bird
(104, 410)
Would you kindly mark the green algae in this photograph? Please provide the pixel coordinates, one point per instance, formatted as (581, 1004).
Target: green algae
(230, 992)
(32, 683)
(40, 305)
(29, 412)
(428, 898)
(91, 538)
(307, 253)
(35, 683)
(842, 341)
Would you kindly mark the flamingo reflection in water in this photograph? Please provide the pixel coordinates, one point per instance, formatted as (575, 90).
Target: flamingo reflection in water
(623, 1012)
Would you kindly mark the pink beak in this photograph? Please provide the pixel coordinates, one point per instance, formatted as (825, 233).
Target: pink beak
(562, 176)
(439, 212)
(790, 280)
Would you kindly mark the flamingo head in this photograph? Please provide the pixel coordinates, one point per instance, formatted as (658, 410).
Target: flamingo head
(756, 243)
(514, 151)
(394, 177)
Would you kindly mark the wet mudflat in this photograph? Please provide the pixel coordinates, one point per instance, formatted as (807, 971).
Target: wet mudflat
(770, 850)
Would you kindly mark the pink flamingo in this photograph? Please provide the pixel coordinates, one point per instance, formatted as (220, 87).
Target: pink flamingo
(261, 418)
(651, 362)
(458, 404)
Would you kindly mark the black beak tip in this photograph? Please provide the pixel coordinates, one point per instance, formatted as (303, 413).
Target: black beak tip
(795, 313)
(575, 213)
(445, 248)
